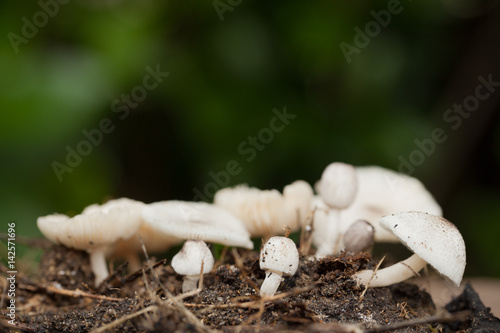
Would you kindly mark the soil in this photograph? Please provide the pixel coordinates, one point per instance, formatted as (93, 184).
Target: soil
(320, 297)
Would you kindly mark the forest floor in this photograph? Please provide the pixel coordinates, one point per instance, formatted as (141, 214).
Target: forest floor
(320, 297)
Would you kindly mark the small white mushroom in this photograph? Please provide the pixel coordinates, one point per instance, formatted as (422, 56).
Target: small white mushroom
(432, 238)
(337, 189)
(278, 257)
(95, 231)
(189, 260)
(265, 212)
(359, 236)
(196, 220)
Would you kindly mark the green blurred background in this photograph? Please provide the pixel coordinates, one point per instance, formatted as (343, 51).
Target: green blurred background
(230, 64)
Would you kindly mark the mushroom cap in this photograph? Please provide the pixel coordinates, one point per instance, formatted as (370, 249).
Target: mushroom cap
(381, 192)
(433, 238)
(196, 220)
(297, 197)
(338, 185)
(265, 212)
(279, 254)
(188, 260)
(359, 236)
(98, 226)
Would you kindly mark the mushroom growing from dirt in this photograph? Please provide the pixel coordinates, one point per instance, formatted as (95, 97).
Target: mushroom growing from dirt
(278, 257)
(359, 236)
(265, 212)
(189, 262)
(433, 239)
(94, 231)
(337, 188)
(196, 220)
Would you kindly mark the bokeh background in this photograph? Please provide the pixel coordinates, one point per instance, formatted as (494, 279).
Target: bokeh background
(230, 63)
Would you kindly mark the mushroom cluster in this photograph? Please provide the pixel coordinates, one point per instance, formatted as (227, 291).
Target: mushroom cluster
(353, 208)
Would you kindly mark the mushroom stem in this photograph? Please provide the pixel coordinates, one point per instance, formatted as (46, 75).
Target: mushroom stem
(270, 284)
(190, 282)
(331, 234)
(393, 274)
(98, 265)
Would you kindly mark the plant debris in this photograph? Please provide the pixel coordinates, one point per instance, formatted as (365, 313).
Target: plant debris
(320, 297)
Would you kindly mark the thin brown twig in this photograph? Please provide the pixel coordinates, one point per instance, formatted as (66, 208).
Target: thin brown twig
(252, 304)
(123, 319)
(441, 318)
(239, 264)
(78, 293)
(371, 278)
(306, 234)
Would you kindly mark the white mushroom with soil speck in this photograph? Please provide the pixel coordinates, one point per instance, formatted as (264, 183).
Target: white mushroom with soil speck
(278, 257)
(196, 220)
(337, 188)
(94, 231)
(265, 212)
(194, 255)
(433, 239)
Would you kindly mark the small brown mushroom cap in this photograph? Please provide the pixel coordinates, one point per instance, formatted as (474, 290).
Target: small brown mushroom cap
(359, 236)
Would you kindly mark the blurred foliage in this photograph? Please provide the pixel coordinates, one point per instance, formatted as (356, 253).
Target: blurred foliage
(225, 79)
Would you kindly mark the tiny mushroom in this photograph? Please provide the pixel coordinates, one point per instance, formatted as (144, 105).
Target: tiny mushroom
(337, 189)
(359, 236)
(265, 212)
(196, 220)
(189, 262)
(433, 239)
(278, 257)
(96, 230)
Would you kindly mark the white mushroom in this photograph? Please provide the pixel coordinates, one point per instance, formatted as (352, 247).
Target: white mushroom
(278, 257)
(94, 231)
(196, 220)
(189, 261)
(129, 249)
(381, 192)
(359, 236)
(265, 212)
(432, 238)
(337, 189)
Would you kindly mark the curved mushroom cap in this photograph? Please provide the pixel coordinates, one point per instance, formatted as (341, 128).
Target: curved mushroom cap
(297, 197)
(433, 238)
(153, 241)
(265, 212)
(381, 192)
(279, 254)
(196, 220)
(98, 226)
(338, 185)
(188, 260)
